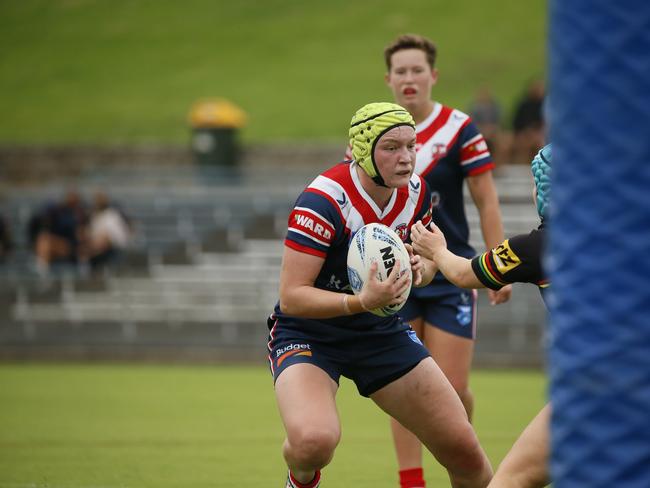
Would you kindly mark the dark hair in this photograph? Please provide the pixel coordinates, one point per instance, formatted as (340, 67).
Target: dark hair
(411, 41)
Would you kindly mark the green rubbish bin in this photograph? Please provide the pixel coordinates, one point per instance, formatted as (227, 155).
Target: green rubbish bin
(215, 127)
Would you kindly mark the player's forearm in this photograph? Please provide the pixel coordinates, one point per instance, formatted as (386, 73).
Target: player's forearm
(491, 225)
(458, 270)
(486, 199)
(314, 303)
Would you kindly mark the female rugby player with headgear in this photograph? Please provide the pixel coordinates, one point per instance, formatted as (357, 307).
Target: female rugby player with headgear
(320, 331)
(518, 259)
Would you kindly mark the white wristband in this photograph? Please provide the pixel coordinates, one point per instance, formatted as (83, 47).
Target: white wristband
(362, 305)
(346, 305)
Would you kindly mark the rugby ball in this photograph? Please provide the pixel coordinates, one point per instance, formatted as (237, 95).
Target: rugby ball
(377, 243)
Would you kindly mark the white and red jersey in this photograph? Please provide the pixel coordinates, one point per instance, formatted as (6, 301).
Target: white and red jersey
(446, 133)
(335, 206)
(449, 149)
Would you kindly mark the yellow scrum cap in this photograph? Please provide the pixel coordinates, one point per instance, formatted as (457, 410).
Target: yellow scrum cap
(368, 124)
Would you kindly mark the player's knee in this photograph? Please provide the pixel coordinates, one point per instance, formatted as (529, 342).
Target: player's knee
(529, 474)
(465, 459)
(314, 446)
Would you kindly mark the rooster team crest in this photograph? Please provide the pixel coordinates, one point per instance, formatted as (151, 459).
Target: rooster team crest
(439, 150)
(402, 231)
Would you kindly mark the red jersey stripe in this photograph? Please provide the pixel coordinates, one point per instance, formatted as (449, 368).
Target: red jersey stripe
(304, 249)
(400, 200)
(449, 145)
(435, 126)
(481, 169)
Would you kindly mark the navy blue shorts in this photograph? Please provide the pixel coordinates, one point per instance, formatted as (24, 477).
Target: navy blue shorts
(371, 358)
(453, 312)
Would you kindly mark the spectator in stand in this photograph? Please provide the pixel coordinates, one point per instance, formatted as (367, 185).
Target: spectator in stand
(6, 242)
(528, 124)
(486, 113)
(109, 232)
(58, 232)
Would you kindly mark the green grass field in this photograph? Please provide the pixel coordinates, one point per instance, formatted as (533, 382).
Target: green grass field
(122, 71)
(137, 426)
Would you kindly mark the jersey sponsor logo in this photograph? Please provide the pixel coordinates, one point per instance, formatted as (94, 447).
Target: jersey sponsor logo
(505, 258)
(309, 223)
(343, 201)
(291, 350)
(414, 185)
(292, 347)
(480, 146)
(474, 150)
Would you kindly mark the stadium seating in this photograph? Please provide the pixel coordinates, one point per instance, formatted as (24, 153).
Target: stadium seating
(202, 274)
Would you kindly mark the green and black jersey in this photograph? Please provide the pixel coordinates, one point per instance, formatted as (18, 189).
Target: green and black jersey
(515, 260)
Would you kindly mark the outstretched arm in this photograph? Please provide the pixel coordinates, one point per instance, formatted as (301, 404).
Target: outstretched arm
(483, 191)
(432, 245)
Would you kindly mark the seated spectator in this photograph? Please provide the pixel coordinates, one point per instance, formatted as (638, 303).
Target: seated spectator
(58, 232)
(109, 232)
(6, 242)
(486, 113)
(528, 124)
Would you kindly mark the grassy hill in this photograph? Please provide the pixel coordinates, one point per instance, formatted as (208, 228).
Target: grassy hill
(128, 70)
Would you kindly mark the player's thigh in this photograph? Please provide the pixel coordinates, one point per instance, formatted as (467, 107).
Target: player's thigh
(424, 402)
(452, 353)
(306, 397)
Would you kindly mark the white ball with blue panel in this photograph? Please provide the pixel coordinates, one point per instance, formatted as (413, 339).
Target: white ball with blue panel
(377, 243)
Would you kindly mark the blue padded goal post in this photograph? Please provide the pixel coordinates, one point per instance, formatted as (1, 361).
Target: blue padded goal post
(599, 251)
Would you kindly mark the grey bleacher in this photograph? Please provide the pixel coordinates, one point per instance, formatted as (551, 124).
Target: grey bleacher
(208, 251)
